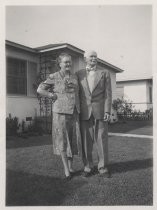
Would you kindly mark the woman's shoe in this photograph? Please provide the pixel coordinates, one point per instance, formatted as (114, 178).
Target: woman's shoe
(68, 178)
(72, 172)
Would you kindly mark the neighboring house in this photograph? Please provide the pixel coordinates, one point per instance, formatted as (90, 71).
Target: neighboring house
(138, 91)
(23, 66)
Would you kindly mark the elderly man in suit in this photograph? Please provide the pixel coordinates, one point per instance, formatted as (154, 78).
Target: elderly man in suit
(95, 107)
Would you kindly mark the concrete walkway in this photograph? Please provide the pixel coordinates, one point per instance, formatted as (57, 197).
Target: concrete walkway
(130, 135)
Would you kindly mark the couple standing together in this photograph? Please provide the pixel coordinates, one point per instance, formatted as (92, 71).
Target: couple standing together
(81, 111)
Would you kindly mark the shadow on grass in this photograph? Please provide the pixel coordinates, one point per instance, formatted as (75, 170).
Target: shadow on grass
(24, 189)
(130, 165)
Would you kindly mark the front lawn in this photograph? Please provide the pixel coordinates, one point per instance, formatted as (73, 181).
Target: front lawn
(35, 176)
(132, 127)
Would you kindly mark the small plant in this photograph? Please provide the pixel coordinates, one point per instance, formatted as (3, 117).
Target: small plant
(123, 107)
(12, 126)
(23, 126)
(149, 113)
(35, 127)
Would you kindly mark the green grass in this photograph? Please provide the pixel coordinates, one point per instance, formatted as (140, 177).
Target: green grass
(132, 127)
(35, 176)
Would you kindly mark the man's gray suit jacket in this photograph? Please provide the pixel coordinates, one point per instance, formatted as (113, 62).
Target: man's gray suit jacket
(99, 101)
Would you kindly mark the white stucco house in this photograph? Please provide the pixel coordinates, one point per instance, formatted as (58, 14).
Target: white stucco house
(23, 65)
(138, 91)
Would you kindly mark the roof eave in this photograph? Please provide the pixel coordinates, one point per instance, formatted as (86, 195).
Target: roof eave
(61, 47)
(19, 46)
(66, 45)
(116, 69)
(138, 79)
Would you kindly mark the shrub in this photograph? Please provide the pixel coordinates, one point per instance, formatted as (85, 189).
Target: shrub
(12, 126)
(123, 107)
(23, 126)
(35, 127)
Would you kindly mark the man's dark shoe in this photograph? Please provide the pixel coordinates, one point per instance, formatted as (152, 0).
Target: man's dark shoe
(87, 174)
(104, 172)
(106, 175)
(73, 173)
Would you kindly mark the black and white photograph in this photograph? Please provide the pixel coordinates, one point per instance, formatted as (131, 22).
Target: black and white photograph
(79, 105)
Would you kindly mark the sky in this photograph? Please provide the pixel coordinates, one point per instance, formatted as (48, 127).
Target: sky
(120, 34)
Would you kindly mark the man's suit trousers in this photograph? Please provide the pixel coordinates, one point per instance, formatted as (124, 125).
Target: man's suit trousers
(94, 131)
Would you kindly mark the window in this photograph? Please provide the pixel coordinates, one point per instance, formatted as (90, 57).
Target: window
(16, 76)
(31, 78)
(150, 94)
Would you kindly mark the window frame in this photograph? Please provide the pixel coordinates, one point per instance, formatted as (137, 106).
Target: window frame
(17, 77)
(150, 95)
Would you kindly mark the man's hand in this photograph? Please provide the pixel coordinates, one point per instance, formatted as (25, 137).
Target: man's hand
(107, 117)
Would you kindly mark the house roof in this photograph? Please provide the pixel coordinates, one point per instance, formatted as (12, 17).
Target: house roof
(66, 45)
(50, 47)
(20, 46)
(117, 70)
(134, 79)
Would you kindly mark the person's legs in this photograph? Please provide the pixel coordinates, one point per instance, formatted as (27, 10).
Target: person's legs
(65, 163)
(87, 134)
(70, 162)
(69, 133)
(61, 139)
(101, 139)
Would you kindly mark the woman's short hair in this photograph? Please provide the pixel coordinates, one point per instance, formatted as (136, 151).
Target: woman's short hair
(61, 56)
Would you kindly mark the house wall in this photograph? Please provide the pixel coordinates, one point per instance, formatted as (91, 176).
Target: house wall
(28, 106)
(113, 84)
(136, 92)
(148, 86)
(19, 105)
(22, 107)
(119, 91)
(75, 63)
(81, 62)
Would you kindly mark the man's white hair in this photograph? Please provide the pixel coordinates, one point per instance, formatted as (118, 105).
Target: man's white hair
(89, 52)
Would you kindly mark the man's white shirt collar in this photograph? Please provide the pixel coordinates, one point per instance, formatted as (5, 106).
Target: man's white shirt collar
(88, 68)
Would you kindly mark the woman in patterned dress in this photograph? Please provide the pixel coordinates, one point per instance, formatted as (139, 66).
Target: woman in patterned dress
(66, 136)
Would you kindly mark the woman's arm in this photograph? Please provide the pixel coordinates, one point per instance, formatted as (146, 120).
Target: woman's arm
(44, 87)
